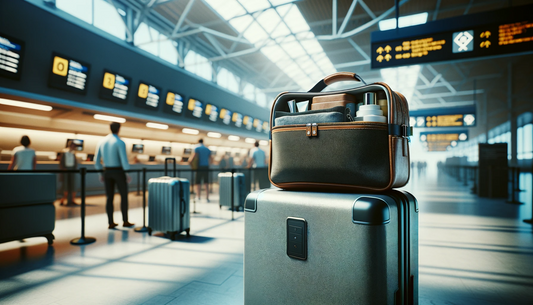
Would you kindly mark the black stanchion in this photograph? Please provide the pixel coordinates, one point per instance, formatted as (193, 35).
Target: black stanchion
(138, 184)
(143, 228)
(194, 193)
(232, 191)
(83, 240)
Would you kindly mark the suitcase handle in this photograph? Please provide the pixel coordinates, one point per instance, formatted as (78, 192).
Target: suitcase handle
(166, 165)
(335, 78)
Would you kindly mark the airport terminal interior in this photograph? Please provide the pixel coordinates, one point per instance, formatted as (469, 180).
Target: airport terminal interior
(441, 88)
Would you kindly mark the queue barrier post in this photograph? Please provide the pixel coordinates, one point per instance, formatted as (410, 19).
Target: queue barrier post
(138, 184)
(232, 192)
(83, 240)
(513, 187)
(143, 228)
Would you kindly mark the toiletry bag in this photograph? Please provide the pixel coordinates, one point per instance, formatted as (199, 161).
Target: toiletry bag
(311, 152)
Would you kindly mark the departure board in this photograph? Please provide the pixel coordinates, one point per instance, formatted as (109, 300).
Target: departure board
(68, 74)
(11, 53)
(237, 119)
(493, 33)
(115, 87)
(266, 127)
(211, 113)
(248, 122)
(445, 120)
(225, 116)
(444, 136)
(147, 96)
(258, 125)
(174, 103)
(195, 108)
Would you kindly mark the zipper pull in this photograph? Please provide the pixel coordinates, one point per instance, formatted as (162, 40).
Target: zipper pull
(308, 129)
(314, 128)
(349, 115)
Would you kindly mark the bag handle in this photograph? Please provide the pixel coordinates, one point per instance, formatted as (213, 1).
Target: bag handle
(173, 163)
(334, 78)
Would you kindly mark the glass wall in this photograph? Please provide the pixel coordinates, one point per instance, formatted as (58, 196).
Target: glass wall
(524, 141)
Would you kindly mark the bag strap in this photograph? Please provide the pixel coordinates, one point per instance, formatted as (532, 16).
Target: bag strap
(183, 205)
(334, 78)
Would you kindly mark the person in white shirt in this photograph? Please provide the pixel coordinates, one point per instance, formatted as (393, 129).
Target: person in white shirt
(68, 162)
(115, 161)
(257, 160)
(23, 157)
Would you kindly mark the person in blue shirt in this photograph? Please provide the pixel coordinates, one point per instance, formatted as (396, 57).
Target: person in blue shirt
(113, 152)
(203, 154)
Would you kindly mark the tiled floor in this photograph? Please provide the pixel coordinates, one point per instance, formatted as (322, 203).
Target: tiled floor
(472, 251)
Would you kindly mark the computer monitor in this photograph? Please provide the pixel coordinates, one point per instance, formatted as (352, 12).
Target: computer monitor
(165, 150)
(187, 151)
(137, 148)
(90, 157)
(151, 159)
(184, 159)
(77, 142)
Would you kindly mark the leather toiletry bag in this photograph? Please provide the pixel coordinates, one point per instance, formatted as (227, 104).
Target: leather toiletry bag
(337, 148)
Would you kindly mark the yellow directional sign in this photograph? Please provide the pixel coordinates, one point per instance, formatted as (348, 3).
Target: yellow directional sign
(485, 44)
(379, 50)
(143, 91)
(60, 66)
(485, 34)
(388, 57)
(380, 58)
(170, 98)
(109, 80)
(388, 49)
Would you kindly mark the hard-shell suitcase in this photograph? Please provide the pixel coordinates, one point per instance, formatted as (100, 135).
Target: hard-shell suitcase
(329, 248)
(168, 204)
(239, 190)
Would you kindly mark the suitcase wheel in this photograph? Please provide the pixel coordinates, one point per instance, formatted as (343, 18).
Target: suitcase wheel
(188, 232)
(149, 231)
(172, 235)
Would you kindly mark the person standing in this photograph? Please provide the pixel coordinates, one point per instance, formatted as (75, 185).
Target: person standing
(257, 160)
(68, 162)
(115, 161)
(202, 155)
(23, 156)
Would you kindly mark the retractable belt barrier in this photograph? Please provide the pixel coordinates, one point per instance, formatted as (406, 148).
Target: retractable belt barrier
(83, 171)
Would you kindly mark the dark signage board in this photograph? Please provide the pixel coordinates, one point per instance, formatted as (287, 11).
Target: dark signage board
(211, 113)
(115, 87)
(68, 74)
(174, 103)
(147, 96)
(237, 119)
(493, 33)
(444, 117)
(195, 108)
(11, 53)
(444, 136)
(492, 173)
(225, 116)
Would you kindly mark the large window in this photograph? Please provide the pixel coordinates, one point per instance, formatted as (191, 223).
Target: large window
(228, 80)
(524, 137)
(108, 19)
(198, 65)
(501, 134)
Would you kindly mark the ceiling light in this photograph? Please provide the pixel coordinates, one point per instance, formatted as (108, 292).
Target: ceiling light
(249, 140)
(190, 131)
(7, 102)
(263, 143)
(234, 138)
(109, 118)
(403, 22)
(156, 125)
(214, 135)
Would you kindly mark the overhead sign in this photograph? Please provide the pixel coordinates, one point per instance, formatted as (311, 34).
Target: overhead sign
(10, 56)
(237, 119)
(115, 87)
(68, 74)
(440, 141)
(225, 116)
(147, 96)
(444, 117)
(174, 103)
(211, 112)
(492, 33)
(437, 146)
(195, 108)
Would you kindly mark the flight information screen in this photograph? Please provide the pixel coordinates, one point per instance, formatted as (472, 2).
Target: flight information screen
(258, 125)
(478, 35)
(225, 116)
(211, 113)
(68, 74)
(248, 122)
(195, 108)
(174, 103)
(237, 119)
(444, 120)
(10, 56)
(266, 127)
(115, 87)
(147, 96)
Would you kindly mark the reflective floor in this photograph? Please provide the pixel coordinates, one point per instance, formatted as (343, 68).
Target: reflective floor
(472, 251)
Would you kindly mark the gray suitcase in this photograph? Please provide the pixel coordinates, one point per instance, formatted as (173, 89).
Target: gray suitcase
(327, 248)
(168, 205)
(239, 190)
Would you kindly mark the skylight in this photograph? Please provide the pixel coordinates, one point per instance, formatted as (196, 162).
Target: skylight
(280, 31)
(402, 79)
(403, 22)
